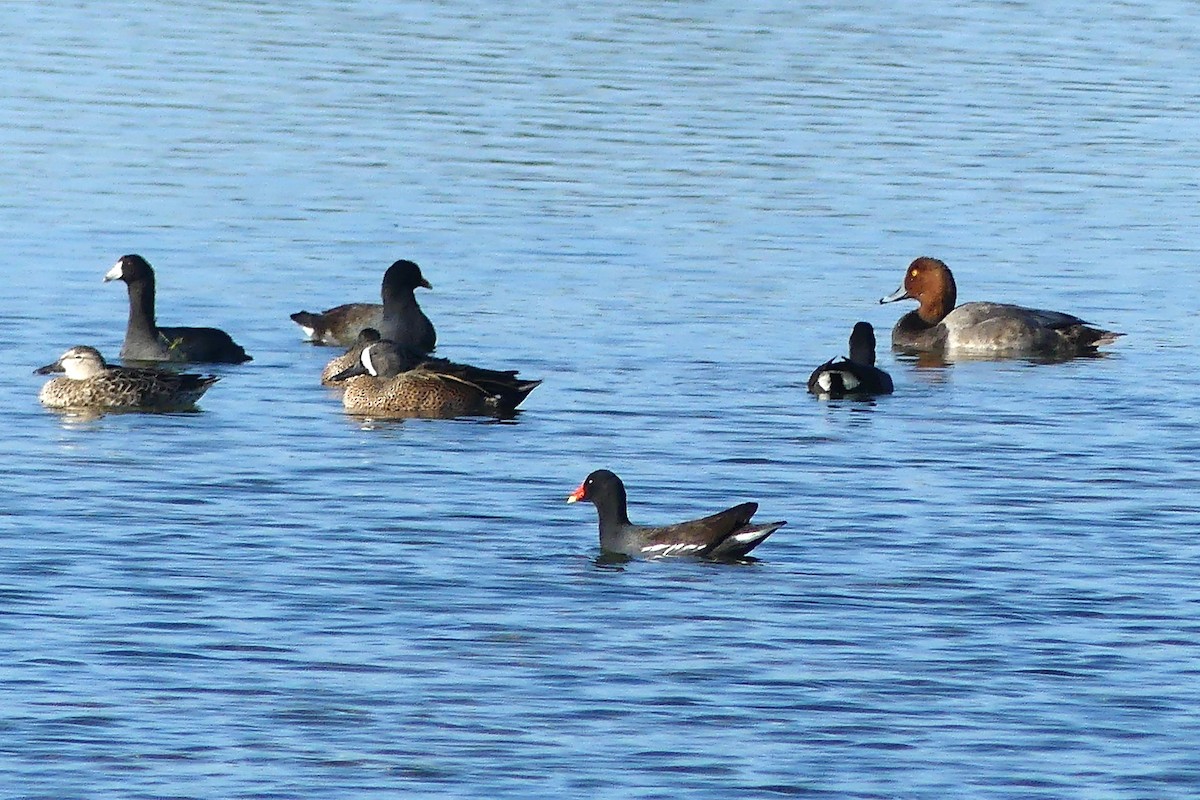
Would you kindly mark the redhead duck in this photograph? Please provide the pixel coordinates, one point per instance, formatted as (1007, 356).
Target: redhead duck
(727, 534)
(856, 375)
(983, 328)
(145, 341)
(91, 383)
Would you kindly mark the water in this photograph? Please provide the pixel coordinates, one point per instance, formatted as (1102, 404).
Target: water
(671, 214)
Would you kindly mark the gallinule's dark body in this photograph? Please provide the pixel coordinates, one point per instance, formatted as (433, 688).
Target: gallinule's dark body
(145, 341)
(339, 325)
(725, 535)
(392, 381)
(856, 375)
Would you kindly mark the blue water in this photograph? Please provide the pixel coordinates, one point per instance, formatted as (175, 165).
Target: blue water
(670, 213)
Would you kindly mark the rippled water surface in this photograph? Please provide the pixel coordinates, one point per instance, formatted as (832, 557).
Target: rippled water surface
(670, 213)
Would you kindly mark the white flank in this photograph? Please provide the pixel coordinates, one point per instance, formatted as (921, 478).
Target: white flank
(825, 380)
(849, 381)
(748, 536)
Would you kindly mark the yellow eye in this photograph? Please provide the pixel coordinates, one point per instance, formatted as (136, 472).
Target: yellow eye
(913, 273)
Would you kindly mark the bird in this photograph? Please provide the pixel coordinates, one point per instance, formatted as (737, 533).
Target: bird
(339, 325)
(398, 318)
(403, 322)
(726, 535)
(983, 329)
(145, 341)
(92, 383)
(856, 375)
(393, 381)
(350, 358)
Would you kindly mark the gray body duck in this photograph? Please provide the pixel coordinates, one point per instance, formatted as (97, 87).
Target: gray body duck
(146, 341)
(398, 318)
(983, 330)
(726, 535)
(391, 381)
(91, 383)
(853, 376)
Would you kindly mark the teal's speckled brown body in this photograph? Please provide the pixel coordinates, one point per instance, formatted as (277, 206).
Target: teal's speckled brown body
(90, 383)
(393, 382)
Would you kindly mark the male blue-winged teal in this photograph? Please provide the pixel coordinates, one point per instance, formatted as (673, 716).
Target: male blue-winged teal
(727, 534)
(856, 375)
(983, 329)
(90, 383)
(145, 341)
(391, 381)
(348, 359)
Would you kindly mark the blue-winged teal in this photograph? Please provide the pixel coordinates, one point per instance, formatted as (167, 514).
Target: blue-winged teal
(90, 383)
(390, 381)
(350, 358)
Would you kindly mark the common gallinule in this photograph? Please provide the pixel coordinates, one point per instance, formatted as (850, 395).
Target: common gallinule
(727, 534)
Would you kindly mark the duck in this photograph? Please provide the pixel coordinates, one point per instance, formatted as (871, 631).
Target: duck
(145, 341)
(350, 358)
(91, 383)
(726, 535)
(393, 381)
(340, 325)
(983, 329)
(856, 375)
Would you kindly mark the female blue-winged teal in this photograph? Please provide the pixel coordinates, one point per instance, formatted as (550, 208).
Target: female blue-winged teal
(856, 375)
(90, 383)
(145, 341)
(390, 381)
